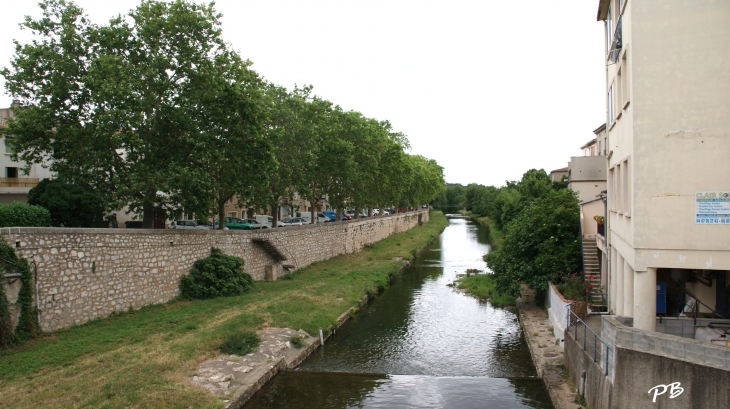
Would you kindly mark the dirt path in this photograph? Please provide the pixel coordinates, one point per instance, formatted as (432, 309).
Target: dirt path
(546, 353)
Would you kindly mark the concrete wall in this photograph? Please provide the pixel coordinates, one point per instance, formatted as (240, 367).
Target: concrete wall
(85, 274)
(557, 311)
(598, 388)
(643, 360)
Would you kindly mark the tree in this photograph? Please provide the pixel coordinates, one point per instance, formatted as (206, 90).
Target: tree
(114, 105)
(541, 244)
(231, 126)
(291, 147)
(70, 205)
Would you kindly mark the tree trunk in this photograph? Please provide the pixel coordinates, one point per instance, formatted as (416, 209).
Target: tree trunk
(275, 214)
(148, 215)
(338, 215)
(221, 215)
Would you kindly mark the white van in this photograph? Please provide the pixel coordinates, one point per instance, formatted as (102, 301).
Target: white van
(307, 216)
(265, 220)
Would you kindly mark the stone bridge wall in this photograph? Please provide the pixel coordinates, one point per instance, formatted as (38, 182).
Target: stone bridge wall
(85, 274)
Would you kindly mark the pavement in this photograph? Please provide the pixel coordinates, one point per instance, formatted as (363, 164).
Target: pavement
(546, 351)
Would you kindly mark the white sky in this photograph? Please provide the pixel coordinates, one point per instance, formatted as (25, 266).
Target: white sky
(488, 88)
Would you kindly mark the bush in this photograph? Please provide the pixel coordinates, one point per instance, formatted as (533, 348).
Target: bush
(240, 343)
(218, 275)
(23, 215)
(70, 205)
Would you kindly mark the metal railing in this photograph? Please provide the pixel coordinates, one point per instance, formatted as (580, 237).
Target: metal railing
(601, 351)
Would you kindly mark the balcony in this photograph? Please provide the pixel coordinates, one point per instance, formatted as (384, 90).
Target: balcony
(18, 182)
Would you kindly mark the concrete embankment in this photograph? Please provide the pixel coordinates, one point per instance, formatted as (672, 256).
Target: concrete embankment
(547, 354)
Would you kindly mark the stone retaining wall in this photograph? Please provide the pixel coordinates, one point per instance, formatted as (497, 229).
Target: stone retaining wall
(85, 274)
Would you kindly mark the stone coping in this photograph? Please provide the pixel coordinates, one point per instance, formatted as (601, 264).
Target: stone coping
(85, 230)
(667, 345)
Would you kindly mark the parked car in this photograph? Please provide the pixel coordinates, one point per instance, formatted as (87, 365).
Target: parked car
(346, 217)
(234, 223)
(292, 221)
(255, 223)
(265, 220)
(307, 217)
(330, 215)
(187, 225)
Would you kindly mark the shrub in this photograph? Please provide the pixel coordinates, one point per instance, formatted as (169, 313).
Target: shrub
(218, 275)
(574, 288)
(70, 205)
(23, 215)
(240, 343)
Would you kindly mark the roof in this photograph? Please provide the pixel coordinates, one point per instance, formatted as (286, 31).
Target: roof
(590, 201)
(602, 9)
(565, 169)
(599, 129)
(589, 143)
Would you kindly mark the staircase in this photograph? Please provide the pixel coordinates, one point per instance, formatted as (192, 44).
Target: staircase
(592, 271)
(274, 252)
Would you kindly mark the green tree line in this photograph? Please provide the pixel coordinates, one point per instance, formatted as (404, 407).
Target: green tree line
(540, 222)
(154, 111)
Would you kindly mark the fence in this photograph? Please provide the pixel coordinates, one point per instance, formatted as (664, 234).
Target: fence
(602, 353)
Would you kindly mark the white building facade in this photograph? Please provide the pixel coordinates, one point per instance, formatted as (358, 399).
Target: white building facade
(668, 155)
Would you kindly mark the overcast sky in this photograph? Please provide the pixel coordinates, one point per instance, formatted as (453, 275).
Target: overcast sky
(489, 88)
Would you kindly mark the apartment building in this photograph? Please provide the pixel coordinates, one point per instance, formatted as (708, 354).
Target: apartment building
(14, 184)
(668, 144)
(668, 211)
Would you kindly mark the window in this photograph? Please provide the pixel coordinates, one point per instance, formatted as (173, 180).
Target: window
(233, 214)
(619, 95)
(609, 103)
(625, 79)
(11, 172)
(611, 189)
(8, 149)
(617, 190)
(609, 29)
(625, 193)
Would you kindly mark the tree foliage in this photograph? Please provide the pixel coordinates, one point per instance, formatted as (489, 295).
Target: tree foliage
(69, 205)
(154, 110)
(540, 220)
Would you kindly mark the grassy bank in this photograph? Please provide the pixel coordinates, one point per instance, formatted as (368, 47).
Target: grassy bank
(494, 233)
(140, 358)
(484, 287)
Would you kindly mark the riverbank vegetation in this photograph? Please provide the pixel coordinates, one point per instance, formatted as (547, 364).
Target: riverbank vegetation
(142, 358)
(166, 124)
(539, 224)
(484, 286)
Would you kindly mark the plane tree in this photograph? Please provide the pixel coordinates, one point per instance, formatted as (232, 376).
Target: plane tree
(114, 105)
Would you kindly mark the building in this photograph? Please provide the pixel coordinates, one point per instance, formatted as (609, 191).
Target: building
(668, 140)
(665, 341)
(14, 184)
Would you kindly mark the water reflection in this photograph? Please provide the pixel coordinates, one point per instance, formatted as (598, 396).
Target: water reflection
(420, 326)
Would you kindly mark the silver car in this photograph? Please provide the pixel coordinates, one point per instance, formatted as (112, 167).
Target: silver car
(292, 221)
(188, 224)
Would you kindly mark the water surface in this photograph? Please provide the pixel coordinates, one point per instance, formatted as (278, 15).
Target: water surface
(420, 344)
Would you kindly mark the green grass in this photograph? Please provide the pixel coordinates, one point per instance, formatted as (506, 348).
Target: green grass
(141, 358)
(483, 286)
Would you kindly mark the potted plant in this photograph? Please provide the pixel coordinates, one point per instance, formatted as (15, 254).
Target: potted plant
(599, 220)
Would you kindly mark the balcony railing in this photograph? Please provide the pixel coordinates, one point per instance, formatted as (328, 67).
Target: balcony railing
(18, 182)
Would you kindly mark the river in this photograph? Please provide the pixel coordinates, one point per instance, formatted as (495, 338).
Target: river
(420, 344)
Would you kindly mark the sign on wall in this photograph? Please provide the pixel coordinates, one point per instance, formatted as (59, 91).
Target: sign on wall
(712, 207)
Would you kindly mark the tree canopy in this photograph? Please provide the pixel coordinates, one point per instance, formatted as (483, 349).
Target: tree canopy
(157, 112)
